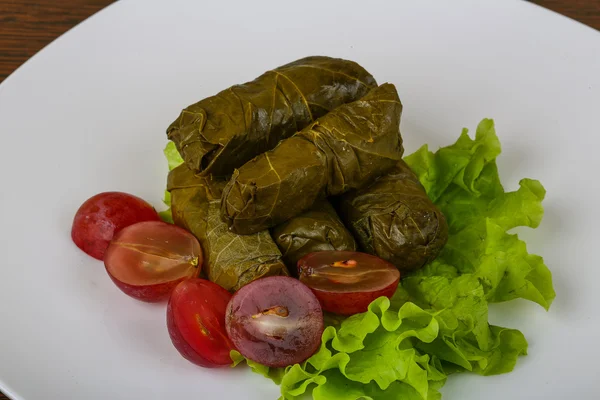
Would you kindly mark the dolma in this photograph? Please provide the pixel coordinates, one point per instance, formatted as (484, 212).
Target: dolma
(222, 132)
(230, 260)
(343, 150)
(394, 219)
(317, 229)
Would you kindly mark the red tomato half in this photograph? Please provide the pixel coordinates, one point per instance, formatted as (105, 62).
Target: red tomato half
(346, 282)
(196, 322)
(103, 216)
(148, 259)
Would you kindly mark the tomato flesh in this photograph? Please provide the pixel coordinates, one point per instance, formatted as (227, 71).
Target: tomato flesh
(346, 282)
(148, 259)
(276, 321)
(196, 322)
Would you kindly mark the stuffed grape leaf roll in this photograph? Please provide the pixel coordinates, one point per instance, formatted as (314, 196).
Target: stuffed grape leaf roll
(394, 219)
(317, 229)
(230, 260)
(222, 132)
(343, 150)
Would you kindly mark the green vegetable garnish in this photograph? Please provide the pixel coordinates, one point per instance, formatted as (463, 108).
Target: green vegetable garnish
(173, 157)
(437, 324)
(174, 160)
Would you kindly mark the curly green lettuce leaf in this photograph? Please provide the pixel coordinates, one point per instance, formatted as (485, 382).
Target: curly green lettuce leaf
(463, 181)
(465, 339)
(433, 326)
(335, 385)
(436, 323)
(460, 163)
(275, 374)
(374, 348)
(167, 215)
(430, 328)
(174, 160)
(172, 154)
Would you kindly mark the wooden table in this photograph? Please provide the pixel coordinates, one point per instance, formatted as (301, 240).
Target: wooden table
(27, 26)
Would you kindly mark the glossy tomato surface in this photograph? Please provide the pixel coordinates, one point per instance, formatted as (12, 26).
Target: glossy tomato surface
(196, 322)
(148, 259)
(346, 282)
(102, 216)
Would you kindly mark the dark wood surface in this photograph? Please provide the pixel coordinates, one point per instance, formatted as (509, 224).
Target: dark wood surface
(27, 26)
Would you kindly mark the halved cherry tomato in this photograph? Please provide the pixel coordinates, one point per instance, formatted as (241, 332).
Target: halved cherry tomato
(196, 322)
(346, 282)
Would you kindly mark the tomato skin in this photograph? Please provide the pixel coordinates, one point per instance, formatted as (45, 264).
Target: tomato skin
(195, 301)
(353, 302)
(346, 282)
(149, 294)
(102, 216)
(148, 259)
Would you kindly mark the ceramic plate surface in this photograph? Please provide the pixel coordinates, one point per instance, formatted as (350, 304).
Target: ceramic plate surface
(88, 114)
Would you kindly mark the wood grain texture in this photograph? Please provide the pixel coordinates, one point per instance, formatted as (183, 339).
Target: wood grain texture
(584, 11)
(27, 26)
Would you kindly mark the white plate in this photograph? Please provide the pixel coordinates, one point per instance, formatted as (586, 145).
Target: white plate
(89, 113)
